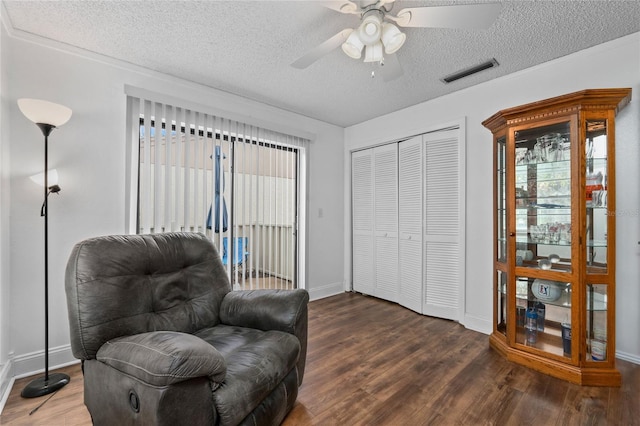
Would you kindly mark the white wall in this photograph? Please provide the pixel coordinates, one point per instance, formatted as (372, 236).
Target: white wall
(614, 64)
(4, 222)
(90, 155)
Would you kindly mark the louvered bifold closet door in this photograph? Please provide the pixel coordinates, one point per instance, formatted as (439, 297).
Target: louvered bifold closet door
(362, 213)
(410, 179)
(444, 225)
(385, 161)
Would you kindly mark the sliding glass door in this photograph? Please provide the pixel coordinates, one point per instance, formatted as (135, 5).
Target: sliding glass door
(237, 184)
(264, 208)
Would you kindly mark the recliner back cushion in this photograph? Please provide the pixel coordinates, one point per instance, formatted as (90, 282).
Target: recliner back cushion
(130, 284)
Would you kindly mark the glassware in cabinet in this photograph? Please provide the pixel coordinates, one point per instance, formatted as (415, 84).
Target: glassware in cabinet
(543, 196)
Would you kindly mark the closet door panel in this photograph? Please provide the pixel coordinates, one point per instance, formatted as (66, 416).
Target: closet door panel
(363, 271)
(385, 182)
(441, 278)
(386, 268)
(411, 289)
(410, 220)
(444, 225)
(386, 190)
(363, 220)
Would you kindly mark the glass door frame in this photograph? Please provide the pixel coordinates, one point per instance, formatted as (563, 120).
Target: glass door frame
(572, 276)
(500, 294)
(591, 276)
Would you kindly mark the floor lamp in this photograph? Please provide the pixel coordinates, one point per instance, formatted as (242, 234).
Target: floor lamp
(47, 117)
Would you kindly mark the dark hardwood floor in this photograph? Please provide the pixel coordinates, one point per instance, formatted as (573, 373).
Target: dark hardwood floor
(372, 362)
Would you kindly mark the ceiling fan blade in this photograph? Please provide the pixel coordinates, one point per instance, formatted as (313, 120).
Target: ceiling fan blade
(457, 16)
(342, 6)
(322, 49)
(383, 2)
(391, 68)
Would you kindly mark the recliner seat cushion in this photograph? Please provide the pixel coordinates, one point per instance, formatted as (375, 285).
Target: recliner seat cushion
(257, 362)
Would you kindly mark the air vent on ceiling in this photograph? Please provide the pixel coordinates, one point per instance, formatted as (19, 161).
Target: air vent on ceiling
(469, 71)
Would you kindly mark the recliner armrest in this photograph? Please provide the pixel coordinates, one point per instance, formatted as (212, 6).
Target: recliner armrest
(280, 310)
(161, 358)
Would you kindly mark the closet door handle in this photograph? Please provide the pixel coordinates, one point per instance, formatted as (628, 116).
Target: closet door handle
(512, 234)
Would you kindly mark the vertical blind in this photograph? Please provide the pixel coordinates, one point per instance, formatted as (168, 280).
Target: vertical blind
(237, 183)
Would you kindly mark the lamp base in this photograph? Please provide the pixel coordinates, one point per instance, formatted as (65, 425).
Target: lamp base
(40, 386)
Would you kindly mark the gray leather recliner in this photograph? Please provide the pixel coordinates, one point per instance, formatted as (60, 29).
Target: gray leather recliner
(164, 341)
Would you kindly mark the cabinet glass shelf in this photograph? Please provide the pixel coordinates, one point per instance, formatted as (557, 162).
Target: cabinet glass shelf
(541, 165)
(525, 294)
(527, 241)
(549, 341)
(535, 204)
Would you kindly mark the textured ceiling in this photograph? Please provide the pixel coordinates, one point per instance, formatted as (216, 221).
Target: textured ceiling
(246, 47)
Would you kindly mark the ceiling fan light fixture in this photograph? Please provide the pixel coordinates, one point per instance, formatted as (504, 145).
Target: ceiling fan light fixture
(353, 46)
(370, 30)
(392, 38)
(373, 53)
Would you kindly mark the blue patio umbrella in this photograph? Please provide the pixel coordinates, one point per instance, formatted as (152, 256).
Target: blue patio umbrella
(218, 175)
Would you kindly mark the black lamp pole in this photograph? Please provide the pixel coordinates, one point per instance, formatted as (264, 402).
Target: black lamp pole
(49, 382)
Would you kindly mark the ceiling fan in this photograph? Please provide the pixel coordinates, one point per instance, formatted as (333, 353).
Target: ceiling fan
(378, 32)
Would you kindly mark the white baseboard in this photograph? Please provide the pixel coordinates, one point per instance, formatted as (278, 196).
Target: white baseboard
(33, 363)
(320, 292)
(480, 325)
(486, 327)
(628, 357)
(6, 383)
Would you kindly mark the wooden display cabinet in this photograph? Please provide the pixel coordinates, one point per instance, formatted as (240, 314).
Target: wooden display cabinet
(554, 205)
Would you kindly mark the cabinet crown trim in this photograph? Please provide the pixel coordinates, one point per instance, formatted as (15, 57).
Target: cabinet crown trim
(589, 99)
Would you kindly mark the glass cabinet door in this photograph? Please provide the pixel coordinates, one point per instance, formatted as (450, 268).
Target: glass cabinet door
(597, 217)
(596, 196)
(597, 322)
(543, 237)
(543, 198)
(501, 234)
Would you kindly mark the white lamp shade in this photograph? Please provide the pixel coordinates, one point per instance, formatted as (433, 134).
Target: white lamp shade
(370, 30)
(353, 46)
(52, 178)
(44, 112)
(373, 53)
(392, 38)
